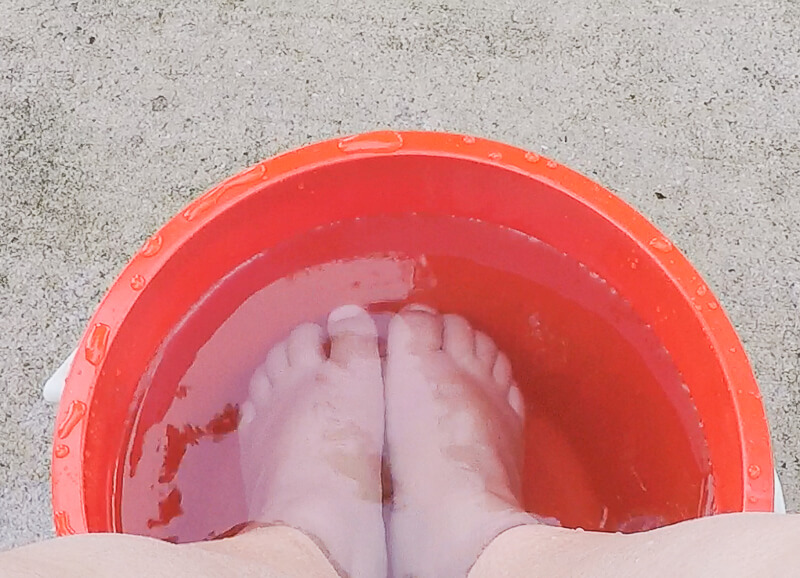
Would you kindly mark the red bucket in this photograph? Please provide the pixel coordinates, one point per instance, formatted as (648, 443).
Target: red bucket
(643, 410)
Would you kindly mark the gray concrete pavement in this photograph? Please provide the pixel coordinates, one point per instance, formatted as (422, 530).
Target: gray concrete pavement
(114, 114)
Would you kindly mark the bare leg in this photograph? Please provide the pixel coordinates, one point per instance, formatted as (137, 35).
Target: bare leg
(275, 552)
(453, 423)
(731, 545)
(454, 418)
(312, 438)
(454, 426)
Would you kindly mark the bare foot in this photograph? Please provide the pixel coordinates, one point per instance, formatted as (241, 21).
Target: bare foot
(454, 431)
(312, 436)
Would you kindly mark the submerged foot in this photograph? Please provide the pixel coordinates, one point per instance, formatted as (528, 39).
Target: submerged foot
(312, 434)
(454, 421)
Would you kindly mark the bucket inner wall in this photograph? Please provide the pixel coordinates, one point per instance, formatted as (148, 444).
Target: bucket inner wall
(628, 428)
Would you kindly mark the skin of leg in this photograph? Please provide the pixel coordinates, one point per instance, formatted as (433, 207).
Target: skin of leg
(731, 545)
(454, 424)
(311, 438)
(727, 545)
(277, 552)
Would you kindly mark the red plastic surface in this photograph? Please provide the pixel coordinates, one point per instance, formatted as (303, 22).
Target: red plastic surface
(390, 173)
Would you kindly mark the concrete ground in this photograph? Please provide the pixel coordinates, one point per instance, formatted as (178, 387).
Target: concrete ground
(114, 114)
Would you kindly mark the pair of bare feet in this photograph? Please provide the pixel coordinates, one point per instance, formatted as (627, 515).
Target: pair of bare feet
(441, 410)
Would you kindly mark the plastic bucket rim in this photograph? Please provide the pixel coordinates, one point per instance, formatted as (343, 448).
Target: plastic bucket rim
(66, 470)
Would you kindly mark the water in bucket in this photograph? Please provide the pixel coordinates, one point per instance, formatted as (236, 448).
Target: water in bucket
(613, 441)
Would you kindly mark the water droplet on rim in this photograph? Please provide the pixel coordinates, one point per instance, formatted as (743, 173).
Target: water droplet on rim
(752, 500)
(138, 282)
(75, 413)
(754, 471)
(551, 164)
(532, 157)
(713, 305)
(151, 246)
(469, 139)
(233, 186)
(702, 290)
(375, 142)
(61, 451)
(661, 244)
(96, 343)
(495, 156)
(202, 204)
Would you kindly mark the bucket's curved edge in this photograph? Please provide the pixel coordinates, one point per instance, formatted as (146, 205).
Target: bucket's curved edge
(581, 188)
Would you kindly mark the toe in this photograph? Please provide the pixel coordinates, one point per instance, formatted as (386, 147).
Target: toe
(277, 362)
(260, 386)
(248, 414)
(485, 351)
(304, 346)
(353, 334)
(459, 337)
(501, 372)
(416, 329)
(516, 402)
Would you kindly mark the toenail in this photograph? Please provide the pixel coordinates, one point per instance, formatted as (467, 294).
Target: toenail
(420, 307)
(345, 312)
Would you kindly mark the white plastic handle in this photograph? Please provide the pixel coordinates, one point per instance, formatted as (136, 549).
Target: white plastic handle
(779, 506)
(54, 387)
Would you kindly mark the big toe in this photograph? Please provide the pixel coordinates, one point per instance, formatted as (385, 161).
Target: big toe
(417, 329)
(353, 335)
